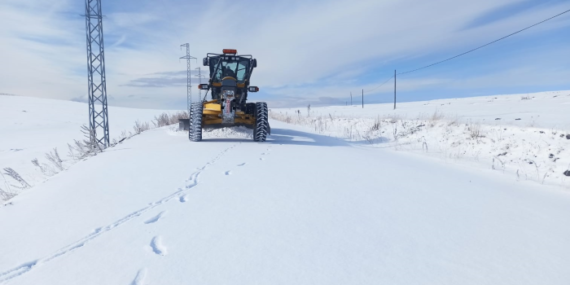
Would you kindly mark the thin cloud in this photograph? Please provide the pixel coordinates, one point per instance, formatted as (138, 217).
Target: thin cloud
(346, 46)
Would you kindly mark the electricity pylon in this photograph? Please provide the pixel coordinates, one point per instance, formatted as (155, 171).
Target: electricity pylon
(188, 58)
(97, 81)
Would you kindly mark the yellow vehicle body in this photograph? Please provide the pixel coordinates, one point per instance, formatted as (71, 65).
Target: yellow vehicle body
(212, 116)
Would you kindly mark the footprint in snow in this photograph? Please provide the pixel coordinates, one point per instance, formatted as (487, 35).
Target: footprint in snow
(261, 158)
(183, 199)
(155, 218)
(229, 172)
(157, 246)
(140, 278)
(242, 164)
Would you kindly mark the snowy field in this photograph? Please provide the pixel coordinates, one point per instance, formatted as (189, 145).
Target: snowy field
(31, 127)
(526, 135)
(305, 207)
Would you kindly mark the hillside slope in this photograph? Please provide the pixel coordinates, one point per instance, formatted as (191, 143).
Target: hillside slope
(32, 127)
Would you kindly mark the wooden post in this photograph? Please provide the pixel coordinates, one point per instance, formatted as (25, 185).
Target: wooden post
(395, 89)
(362, 98)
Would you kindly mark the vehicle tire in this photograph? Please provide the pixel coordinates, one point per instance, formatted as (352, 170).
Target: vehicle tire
(195, 129)
(261, 122)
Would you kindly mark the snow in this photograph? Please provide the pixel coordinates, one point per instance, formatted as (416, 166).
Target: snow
(526, 136)
(547, 110)
(301, 208)
(31, 127)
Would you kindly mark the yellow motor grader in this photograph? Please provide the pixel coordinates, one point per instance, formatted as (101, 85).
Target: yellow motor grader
(229, 85)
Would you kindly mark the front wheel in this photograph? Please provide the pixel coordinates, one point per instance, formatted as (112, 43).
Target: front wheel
(195, 129)
(261, 129)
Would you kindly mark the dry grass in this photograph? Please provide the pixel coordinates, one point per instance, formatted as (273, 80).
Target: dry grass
(5, 195)
(141, 127)
(436, 116)
(376, 126)
(16, 176)
(54, 158)
(165, 119)
(475, 131)
(79, 150)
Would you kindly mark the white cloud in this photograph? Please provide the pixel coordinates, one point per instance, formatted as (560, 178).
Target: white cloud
(300, 45)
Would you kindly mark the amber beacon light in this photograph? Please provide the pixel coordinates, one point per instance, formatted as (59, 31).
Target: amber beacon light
(230, 51)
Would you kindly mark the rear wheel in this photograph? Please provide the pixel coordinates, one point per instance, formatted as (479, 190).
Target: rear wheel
(195, 130)
(261, 129)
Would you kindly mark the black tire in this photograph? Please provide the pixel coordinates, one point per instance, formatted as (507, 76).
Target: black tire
(261, 129)
(195, 129)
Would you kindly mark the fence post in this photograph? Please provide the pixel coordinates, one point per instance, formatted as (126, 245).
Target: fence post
(362, 98)
(395, 89)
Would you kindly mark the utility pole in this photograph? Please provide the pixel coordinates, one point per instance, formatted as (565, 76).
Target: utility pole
(362, 98)
(96, 78)
(395, 89)
(350, 98)
(188, 75)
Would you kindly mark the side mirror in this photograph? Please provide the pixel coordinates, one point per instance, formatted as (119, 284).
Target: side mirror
(203, 86)
(253, 89)
(205, 61)
(254, 63)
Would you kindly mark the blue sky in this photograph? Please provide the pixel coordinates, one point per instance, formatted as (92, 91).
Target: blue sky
(309, 52)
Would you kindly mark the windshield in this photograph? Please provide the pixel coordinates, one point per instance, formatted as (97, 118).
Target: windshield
(234, 68)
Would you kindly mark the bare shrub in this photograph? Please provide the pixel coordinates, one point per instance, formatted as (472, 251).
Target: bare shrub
(395, 131)
(177, 116)
(475, 131)
(91, 139)
(165, 119)
(14, 175)
(54, 158)
(44, 168)
(161, 120)
(453, 122)
(377, 125)
(140, 127)
(83, 148)
(436, 116)
(5, 195)
(525, 98)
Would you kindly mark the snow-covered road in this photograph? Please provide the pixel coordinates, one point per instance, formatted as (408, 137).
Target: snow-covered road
(299, 209)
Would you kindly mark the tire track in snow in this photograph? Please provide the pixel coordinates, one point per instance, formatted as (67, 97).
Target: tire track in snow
(190, 183)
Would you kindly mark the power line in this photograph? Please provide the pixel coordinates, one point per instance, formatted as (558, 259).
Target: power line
(469, 51)
(480, 47)
(387, 80)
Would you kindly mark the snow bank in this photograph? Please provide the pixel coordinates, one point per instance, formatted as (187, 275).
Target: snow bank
(33, 129)
(527, 136)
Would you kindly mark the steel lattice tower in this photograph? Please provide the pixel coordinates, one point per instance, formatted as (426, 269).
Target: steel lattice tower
(97, 82)
(188, 58)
